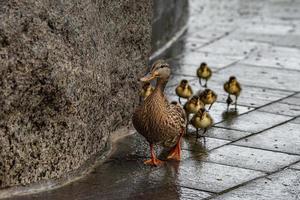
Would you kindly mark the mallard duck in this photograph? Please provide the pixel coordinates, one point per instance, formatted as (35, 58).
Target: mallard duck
(183, 90)
(204, 72)
(159, 121)
(203, 120)
(208, 97)
(191, 107)
(147, 89)
(232, 87)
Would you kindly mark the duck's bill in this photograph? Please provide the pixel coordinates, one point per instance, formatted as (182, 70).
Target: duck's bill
(147, 78)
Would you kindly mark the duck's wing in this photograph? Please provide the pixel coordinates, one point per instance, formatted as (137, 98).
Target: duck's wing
(226, 87)
(177, 115)
(190, 89)
(239, 87)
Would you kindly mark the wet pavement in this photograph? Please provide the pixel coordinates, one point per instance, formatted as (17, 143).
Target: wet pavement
(253, 153)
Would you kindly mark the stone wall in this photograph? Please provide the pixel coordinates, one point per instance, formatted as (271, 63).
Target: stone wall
(67, 79)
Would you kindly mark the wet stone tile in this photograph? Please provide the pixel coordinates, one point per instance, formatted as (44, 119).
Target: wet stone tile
(296, 166)
(292, 101)
(284, 185)
(186, 193)
(262, 77)
(296, 121)
(277, 57)
(194, 59)
(254, 121)
(251, 158)
(175, 79)
(282, 109)
(297, 95)
(219, 112)
(283, 138)
(231, 47)
(226, 134)
(193, 43)
(201, 146)
(205, 29)
(212, 177)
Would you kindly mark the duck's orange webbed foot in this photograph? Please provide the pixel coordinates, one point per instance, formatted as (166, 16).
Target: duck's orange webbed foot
(153, 162)
(175, 153)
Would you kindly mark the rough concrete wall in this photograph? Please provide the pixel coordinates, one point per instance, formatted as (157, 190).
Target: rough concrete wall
(67, 79)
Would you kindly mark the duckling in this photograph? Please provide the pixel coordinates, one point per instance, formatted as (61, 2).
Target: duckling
(232, 87)
(208, 97)
(203, 120)
(184, 90)
(147, 89)
(159, 121)
(192, 106)
(204, 72)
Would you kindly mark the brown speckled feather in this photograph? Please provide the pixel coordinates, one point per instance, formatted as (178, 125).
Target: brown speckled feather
(159, 121)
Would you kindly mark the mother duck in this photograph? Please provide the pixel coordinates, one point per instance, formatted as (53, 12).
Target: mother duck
(159, 121)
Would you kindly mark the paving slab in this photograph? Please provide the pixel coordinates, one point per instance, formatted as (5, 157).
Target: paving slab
(284, 185)
(296, 121)
(231, 47)
(296, 166)
(190, 143)
(265, 77)
(297, 95)
(251, 158)
(213, 177)
(277, 57)
(215, 61)
(255, 121)
(282, 109)
(226, 134)
(294, 100)
(175, 79)
(283, 138)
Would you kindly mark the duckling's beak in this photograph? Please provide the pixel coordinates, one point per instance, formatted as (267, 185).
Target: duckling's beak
(148, 77)
(202, 116)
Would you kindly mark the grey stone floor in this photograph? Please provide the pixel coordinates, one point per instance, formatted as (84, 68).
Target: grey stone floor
(250, 154)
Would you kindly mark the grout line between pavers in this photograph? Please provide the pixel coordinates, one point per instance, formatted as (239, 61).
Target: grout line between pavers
(242, 138)
(272, 150)
(200, 190)
(257, 108)
(247, 182)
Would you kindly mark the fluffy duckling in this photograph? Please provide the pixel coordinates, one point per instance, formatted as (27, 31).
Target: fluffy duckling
(204, 72)
(232, 87)
(147, 89)
(191, 107)
(159, 121)
(184, 90)
(208, 97)
(202, 120)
